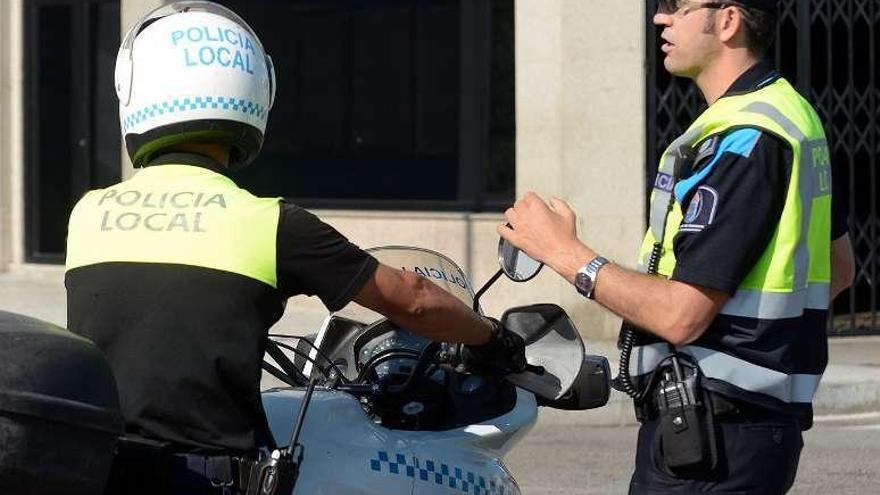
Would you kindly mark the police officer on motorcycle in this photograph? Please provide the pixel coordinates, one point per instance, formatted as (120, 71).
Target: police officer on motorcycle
(177, 273)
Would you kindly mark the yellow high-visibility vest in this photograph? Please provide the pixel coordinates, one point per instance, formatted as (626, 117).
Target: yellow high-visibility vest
(177, 214)
(791, 276)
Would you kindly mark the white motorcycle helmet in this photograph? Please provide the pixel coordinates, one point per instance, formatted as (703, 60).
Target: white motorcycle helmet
(193, 71)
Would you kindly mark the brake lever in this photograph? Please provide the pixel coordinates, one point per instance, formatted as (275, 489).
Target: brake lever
(538, 370)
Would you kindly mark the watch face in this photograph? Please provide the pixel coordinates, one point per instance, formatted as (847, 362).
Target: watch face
(583, 283)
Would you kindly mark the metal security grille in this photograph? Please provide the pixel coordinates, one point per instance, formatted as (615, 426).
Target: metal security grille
(829, 50)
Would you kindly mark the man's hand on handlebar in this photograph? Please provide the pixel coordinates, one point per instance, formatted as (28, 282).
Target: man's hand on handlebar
(504, 353)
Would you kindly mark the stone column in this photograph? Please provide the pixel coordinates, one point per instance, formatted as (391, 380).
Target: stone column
(580, 109)
(11, 134)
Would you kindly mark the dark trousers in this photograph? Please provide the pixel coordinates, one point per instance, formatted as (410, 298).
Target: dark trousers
(756, 456)
(144, 471)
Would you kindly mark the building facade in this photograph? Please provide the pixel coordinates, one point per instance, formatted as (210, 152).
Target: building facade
(417, 123)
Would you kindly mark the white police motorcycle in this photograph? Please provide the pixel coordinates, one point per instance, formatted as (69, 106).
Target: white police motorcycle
(369, 408)
(382, 410)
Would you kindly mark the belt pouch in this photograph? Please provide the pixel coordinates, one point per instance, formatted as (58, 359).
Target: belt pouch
(140, 466)
(687, 428)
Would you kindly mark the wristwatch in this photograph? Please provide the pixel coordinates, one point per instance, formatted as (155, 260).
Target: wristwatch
(585, 279)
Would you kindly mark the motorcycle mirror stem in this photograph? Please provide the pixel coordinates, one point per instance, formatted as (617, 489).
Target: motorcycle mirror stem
(517, 265)
(484, 288)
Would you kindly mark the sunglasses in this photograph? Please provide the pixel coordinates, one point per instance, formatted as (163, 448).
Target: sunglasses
(674, 6)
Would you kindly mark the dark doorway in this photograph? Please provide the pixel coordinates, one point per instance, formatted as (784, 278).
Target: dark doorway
(829, 50)
(71, 114)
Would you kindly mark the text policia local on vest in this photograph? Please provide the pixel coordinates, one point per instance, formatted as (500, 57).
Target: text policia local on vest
(167, 211)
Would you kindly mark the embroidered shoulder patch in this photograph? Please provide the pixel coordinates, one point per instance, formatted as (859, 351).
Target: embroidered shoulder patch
(706, 150)
(701, 210)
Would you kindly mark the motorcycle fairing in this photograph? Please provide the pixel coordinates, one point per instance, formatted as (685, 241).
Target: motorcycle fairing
(346, 452)
(436, 477)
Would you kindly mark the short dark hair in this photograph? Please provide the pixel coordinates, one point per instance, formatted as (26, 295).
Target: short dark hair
(760, 28)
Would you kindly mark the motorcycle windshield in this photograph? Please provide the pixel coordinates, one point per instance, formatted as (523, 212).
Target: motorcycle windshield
(432, 265)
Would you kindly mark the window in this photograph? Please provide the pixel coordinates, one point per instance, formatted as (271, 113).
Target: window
(388, 104)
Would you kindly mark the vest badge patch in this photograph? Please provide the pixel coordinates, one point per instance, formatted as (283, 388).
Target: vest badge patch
(701, 210)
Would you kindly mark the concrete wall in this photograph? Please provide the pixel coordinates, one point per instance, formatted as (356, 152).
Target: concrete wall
(580, 136)
(11, 134)
(580, 108)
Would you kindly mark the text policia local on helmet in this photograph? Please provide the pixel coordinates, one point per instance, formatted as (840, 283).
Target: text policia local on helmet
(193, 70)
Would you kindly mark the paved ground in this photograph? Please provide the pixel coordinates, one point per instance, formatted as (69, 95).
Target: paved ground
(839, 457)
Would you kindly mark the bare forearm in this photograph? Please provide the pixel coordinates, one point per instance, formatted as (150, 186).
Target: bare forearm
(676, 312)
(838, 285)
(634, 297)
(438, 315)
(651, 303)
(415, 303)
(662, 307)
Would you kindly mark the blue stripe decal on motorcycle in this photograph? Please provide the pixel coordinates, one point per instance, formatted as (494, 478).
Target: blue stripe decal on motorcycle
(453, 477)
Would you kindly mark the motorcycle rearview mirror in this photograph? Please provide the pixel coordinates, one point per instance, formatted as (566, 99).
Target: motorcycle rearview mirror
(517, 265)
(553, 347)
(568, 378)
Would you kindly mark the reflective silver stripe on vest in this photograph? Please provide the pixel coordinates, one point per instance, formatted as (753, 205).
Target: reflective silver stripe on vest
(660, 200)
(754, 378)
(807, 190)
(777, 305)
(773, 113)
(730, 369)
(645, 358)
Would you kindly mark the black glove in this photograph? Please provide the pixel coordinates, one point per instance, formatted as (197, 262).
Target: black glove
(505, 352)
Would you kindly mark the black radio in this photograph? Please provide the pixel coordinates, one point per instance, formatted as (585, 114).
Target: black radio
(686, 425)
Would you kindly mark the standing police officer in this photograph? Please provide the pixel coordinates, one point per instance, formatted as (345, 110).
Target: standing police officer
(177, 273)
(726, 315)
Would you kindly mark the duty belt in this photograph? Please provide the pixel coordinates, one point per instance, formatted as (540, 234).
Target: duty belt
(231, 473)
(153, 461)
(723, 408)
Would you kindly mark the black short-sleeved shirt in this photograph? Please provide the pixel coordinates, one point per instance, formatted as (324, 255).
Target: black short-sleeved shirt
(745, 178)
(186, 342)
(314, 259)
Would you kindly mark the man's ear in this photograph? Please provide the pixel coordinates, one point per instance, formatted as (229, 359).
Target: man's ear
(729, 24)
